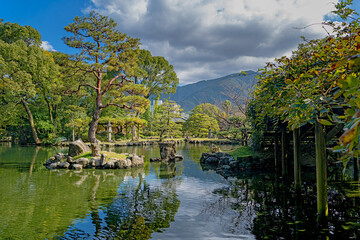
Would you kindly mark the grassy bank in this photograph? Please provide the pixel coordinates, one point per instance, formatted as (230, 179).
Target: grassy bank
(243, 151)
(109, 154)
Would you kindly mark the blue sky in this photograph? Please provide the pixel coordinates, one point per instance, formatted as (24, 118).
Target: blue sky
(203, 39)
(48, 17)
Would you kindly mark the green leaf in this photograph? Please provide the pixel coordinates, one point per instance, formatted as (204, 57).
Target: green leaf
(324, 122)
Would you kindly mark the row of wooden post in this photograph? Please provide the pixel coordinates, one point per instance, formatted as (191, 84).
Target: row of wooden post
(321, 164)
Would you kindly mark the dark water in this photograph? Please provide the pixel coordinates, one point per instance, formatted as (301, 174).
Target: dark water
(162, 201)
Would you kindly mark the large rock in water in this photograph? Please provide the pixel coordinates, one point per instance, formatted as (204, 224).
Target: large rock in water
(78, 147)
(167, 151)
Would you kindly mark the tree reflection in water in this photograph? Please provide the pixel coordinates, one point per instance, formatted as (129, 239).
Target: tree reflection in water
(137, 212)
(138, 209)
(272, 209)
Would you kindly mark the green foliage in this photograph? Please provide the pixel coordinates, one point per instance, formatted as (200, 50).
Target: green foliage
(26, 70)
(238, 128)
(108, 62)
(13, 32)
(167, 120)
(319, 82)
(200, 125)
(210, 110)
(156, 74)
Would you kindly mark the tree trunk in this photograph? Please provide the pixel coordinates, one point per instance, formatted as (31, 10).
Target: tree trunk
(321, 171)
(50, 110)
(31, 121)
(161, 135)
(95, 148)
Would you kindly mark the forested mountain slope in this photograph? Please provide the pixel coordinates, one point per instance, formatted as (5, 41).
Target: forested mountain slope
(214, 91)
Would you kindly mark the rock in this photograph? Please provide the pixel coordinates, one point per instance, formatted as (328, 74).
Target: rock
(155, 159)
(103, 159)
(83, 161)
(204, 156)
(92, 161)
(69, 159)
(225, 167)
(123, 163)
(136, 160)
(221, 154)
(78, 147)
(97, 163)
(179, 157)
(110, 164)
(226, 160)
(49, 161)
(234, 164)
(212, 160)
(77, 167)
(64, 165)
(53, 165)
(59, 156)
(167, 151)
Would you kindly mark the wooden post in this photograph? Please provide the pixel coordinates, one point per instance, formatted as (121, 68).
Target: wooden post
(321, 171)
(276, 151)
(297, 158)
(283, 152)
(356, 168)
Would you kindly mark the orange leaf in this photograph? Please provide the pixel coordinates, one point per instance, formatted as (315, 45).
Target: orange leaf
(348, 136)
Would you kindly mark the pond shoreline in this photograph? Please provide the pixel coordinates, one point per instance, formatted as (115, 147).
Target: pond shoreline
(141, 143)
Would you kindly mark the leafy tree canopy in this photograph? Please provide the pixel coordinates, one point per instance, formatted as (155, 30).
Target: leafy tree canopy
(157, 75)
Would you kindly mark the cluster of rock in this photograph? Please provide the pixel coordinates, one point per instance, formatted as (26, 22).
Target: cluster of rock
(65, 161)
(224, 162)
(167, 153)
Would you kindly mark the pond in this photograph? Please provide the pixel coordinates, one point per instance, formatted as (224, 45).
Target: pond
(183, 200)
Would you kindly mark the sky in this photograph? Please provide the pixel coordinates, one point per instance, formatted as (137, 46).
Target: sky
(202, 39)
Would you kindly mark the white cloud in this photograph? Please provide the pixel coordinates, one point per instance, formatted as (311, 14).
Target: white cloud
(211, 38)
(47, 46)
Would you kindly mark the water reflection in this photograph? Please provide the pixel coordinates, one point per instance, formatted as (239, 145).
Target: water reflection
(163, 201)
(281, 212)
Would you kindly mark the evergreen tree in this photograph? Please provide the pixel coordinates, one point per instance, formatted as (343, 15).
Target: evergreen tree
(107, 59)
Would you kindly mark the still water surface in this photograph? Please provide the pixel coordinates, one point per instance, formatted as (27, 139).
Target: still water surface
(162, 201)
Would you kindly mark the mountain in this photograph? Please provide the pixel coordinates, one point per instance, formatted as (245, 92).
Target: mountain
(213, 91)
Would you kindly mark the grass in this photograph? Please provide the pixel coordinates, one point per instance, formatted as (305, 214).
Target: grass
(109, 154)
(243, 151)
(208, 139)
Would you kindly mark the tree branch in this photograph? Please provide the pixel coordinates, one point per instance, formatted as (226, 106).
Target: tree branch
(117, 105)
(69, 92)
